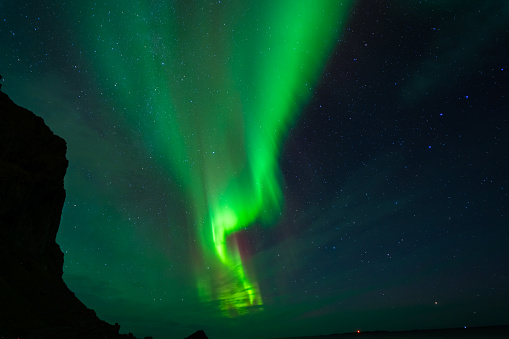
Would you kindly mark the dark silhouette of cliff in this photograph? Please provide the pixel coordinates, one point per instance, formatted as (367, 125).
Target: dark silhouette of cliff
(34, 300)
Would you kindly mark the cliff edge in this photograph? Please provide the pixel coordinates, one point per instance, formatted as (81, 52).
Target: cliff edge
(34, 300)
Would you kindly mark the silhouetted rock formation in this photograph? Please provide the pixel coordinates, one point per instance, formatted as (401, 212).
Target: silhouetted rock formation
(197, 335)
(34, 300)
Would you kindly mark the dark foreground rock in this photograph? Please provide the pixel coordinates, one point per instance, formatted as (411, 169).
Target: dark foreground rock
(197, 335)
(34, 300)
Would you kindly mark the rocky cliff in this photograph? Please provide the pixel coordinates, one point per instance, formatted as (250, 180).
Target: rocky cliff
(34, 300)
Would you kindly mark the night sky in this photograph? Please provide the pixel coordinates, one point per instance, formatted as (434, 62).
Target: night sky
(275, 168)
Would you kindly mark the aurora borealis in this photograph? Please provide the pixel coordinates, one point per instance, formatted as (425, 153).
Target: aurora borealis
(218, 112)
(274, 168)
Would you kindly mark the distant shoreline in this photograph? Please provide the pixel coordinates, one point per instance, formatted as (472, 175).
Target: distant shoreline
(466, 332)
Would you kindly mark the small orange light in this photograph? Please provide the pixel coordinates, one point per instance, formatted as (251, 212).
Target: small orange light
(358, 331)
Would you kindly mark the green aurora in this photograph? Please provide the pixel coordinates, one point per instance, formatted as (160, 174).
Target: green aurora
(222, 102)
(260, 170)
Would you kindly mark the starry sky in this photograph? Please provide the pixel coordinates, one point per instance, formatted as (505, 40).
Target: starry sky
(275, 168)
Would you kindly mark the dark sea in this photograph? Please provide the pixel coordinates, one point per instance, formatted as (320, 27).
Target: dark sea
(456, 333)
